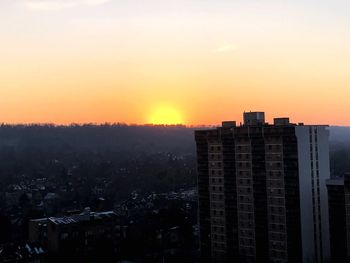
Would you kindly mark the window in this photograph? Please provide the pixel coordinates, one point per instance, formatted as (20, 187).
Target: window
(64, 236)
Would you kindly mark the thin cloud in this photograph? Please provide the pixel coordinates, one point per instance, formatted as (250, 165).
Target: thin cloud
(60, 4)
(225, 48)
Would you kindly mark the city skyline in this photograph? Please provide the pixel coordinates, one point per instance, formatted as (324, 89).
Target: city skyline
(77, 61)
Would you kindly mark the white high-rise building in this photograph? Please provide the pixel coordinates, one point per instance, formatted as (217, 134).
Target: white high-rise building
(314, 170)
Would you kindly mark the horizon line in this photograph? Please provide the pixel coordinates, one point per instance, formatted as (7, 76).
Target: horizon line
(81, 124)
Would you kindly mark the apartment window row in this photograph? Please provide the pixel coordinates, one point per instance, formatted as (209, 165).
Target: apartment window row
(219, 205)
(219, 237)
(218, 221)
(244, 172)
(274, 235)
(216, 164)
(217, 180)
(215, 148)
(246, 233)
(244, 181)
(274, 164)
(245, 198)
(278, 245)
(217, 196)
(246, 241)
(242, 147)
(273, 157)
(248, 251)
(273, 147)
(275, 200)
(219, 255)
(276, 191)
(277, 227)
(219, 229)
(246, 207)
(243, 164)
(218, 189)
(275, 183)
(215, 156)
(275, 174)
(276, 209)
(278, 253)
(216, 172)
(245, 216)
(245, 156)
(216, 213)
(244, 190)
(246, 224)
(219, 245)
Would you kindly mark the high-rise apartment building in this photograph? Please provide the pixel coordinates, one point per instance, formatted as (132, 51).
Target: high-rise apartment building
(339, 218)
(262, 191)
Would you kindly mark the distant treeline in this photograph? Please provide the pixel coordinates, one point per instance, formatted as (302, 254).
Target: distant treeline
(150, 138)
(119, 137)
(127, 140)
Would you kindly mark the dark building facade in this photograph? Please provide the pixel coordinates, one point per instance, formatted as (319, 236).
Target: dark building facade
(85, 235)
(249, 185)
(339, 218)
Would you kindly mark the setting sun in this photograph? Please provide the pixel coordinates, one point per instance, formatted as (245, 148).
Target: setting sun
(165, 115)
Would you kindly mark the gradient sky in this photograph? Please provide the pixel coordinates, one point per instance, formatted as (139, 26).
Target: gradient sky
(64, 61)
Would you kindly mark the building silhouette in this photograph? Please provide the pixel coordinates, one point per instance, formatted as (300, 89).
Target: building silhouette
(79, 236)
(339, 218)
(262, 191)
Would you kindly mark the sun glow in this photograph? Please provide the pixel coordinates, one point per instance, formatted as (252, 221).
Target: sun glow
(165, 115)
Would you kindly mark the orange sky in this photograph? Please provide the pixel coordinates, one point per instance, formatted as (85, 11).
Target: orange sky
(64, 61)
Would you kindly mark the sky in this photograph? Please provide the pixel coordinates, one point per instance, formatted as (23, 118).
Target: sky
(161, 61)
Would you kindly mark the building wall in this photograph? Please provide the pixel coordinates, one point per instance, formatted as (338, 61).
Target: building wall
(313, 161)
(245, 196)
(217, 201)
(37, 231)
(278, 249)
(230, 191)
(203, 195)
(337, 222)
(321, 138)
(292, 195)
